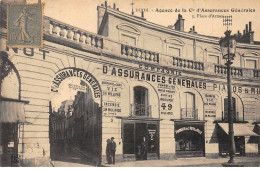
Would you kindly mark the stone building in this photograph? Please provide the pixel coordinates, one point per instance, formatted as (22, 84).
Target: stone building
(135, 79)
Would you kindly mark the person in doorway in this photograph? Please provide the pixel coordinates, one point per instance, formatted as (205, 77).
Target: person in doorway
(112, 150)
(241, 147)
(143, 149)
(108, 151)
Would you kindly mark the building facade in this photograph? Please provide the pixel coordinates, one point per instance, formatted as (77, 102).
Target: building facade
(135, 81)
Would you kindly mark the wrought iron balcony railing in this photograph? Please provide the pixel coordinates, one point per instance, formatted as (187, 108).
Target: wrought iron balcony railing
(140, 110)
(189, 113)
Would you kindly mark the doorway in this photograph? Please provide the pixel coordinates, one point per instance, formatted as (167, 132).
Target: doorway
(9, 144)
(76, 118)
(140, 140)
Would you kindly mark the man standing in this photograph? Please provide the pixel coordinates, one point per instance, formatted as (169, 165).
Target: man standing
(143, 150)
(108, 151)
(112, 149)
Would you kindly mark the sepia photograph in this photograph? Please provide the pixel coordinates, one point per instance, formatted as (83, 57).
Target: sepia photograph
(129, 83)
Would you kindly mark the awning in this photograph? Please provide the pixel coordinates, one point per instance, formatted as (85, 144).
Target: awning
(240, 129)
(12, 112)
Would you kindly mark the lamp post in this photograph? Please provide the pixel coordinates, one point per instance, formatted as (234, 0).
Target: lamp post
(228, 49)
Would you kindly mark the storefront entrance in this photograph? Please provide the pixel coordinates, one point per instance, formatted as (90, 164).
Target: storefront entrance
(189, 139)
(140, 140)
(8, 143)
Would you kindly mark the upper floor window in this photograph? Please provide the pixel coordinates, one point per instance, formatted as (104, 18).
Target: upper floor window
(213, 55)
(174, 47)
(128, 40)
(188, 107)
(251, 64)
(172, 51)
(213, 59)
(128, 34)
(140, 107)
(140, 95)
(234, 112)
(251, 59)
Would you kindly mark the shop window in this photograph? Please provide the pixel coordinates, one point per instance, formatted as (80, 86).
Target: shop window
(140, 106)
(233, 105)
(189, 140)
(188, 110)
(251, 64)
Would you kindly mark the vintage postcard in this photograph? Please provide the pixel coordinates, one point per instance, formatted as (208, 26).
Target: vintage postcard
(129, 83)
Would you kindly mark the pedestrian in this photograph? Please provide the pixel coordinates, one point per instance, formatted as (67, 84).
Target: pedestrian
(112, 150)
(242, 148)
(108, 151)
(143, 149)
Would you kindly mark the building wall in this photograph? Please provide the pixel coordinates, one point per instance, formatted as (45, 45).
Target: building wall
(38, 68)
(114, 88)
(192, 46)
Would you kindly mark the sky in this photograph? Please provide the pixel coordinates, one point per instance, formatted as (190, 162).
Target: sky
(65, 92)
(83, 13)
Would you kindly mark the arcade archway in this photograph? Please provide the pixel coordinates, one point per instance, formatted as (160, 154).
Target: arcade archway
(75, 114)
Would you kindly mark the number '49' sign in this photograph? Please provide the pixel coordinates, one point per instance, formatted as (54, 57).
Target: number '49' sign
(165, 106)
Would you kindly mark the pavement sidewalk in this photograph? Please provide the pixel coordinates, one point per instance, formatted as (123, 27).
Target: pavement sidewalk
(189, 162)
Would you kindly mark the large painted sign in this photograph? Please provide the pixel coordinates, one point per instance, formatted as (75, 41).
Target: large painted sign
(173, 79)
(79, 73)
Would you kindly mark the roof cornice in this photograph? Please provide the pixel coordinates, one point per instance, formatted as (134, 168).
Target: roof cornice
(151, 25)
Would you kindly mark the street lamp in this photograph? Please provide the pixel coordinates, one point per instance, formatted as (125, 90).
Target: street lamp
(228, 49)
